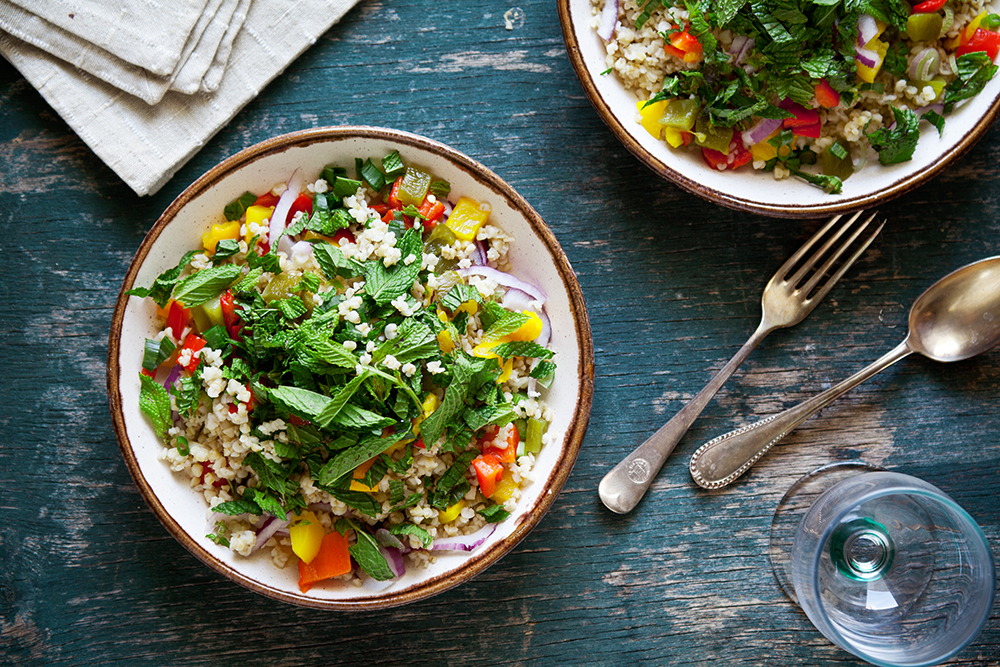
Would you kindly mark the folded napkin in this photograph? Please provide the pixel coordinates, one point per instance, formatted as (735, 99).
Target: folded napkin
(148, 33)
(192, 65)
(146, 144)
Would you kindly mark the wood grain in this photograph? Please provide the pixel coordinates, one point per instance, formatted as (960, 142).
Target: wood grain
(673, 287)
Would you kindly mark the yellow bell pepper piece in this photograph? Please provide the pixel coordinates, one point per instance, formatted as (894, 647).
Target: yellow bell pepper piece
(470, 307)
(220, 232)
(450, 514)
(359, 474)
(505, 489)
(445, 342)
(306, 533)
(430, 404)
(673, 136)
(763, 150)
(530, 330)
(257, 215)
(868, 74)
(506, 370)
(649, 115)
(467, 217)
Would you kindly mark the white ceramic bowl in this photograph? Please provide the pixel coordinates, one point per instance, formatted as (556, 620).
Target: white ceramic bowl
(537, 258)
(747, 189)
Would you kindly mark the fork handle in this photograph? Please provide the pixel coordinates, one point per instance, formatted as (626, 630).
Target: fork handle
(624, 486)
(719, 462)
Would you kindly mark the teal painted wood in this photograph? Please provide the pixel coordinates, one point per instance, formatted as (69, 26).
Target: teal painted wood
(672, 284)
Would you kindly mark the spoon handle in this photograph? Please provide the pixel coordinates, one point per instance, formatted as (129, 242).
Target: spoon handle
(719, 462)
(624, 486)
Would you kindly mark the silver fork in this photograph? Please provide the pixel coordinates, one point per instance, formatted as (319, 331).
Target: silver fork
(786, 301)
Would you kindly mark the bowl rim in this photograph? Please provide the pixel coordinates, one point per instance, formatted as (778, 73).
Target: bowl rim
(791, 210)
(474, 564)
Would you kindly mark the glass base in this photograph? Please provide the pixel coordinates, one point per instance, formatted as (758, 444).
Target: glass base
(794, 505)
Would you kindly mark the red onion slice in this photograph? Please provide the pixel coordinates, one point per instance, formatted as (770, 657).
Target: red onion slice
(267, 531)
(609, 19)
(867, 57)
(172, 376)
(387, 539)
(761, 131)
(394, 558)
(280, 213)
(505, 280)
(740, 47)
(465, 542)
(546, 334)
(867, 29)
(479, 256)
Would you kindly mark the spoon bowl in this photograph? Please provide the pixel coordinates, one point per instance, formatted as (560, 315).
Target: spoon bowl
(956, 318)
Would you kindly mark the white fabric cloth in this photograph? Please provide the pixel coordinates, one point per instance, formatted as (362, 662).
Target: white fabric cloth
(146, 144)
(204, 42)
(147, 33)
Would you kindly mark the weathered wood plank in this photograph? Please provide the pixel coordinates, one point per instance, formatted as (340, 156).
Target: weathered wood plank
(673, 287)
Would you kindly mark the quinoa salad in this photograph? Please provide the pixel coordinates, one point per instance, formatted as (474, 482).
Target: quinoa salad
(812, 89)
(348, 372)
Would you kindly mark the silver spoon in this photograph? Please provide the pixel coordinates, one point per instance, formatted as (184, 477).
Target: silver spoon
(956, 318)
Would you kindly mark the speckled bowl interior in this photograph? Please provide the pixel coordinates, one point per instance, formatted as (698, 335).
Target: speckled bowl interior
(536, 257)
(747, 189)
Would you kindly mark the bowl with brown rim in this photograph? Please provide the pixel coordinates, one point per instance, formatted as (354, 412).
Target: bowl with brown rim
(536, 256)
(747, 189)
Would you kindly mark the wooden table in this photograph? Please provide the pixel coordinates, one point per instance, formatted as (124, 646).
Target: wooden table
(672, 285)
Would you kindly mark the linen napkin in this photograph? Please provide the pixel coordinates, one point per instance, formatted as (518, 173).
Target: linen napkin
(146, 144)
(147, 33)
(194, 59)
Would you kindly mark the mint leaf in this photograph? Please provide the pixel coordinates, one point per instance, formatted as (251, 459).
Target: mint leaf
(494, 514)
(334, 263)
(155, 404)
(411, 529)
(365, 551)
(206, 284)
(522, 349)
(387, 284)
(237, 208)
(897, 145)
(349, 459)
(162, 287)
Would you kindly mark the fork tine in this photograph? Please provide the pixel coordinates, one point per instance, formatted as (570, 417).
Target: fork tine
(846, 265)
(819, 273)
(806, 247)
(825, 248)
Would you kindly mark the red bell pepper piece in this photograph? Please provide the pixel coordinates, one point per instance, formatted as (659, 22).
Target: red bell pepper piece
(178, 317)
(981, 40)
(332, 560)
(431, 211)
(393, 198)
(302, 203)
(343, 234)
(267, 199)
(193, 342)
(738, 156)
(826, 95)
(232, 320)
(928, 7)
(489, 472)
(811, 131)
(685, 46)
(506, 451)
(801, 117)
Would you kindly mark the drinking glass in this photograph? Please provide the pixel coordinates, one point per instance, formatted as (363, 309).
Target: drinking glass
(885, 565)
